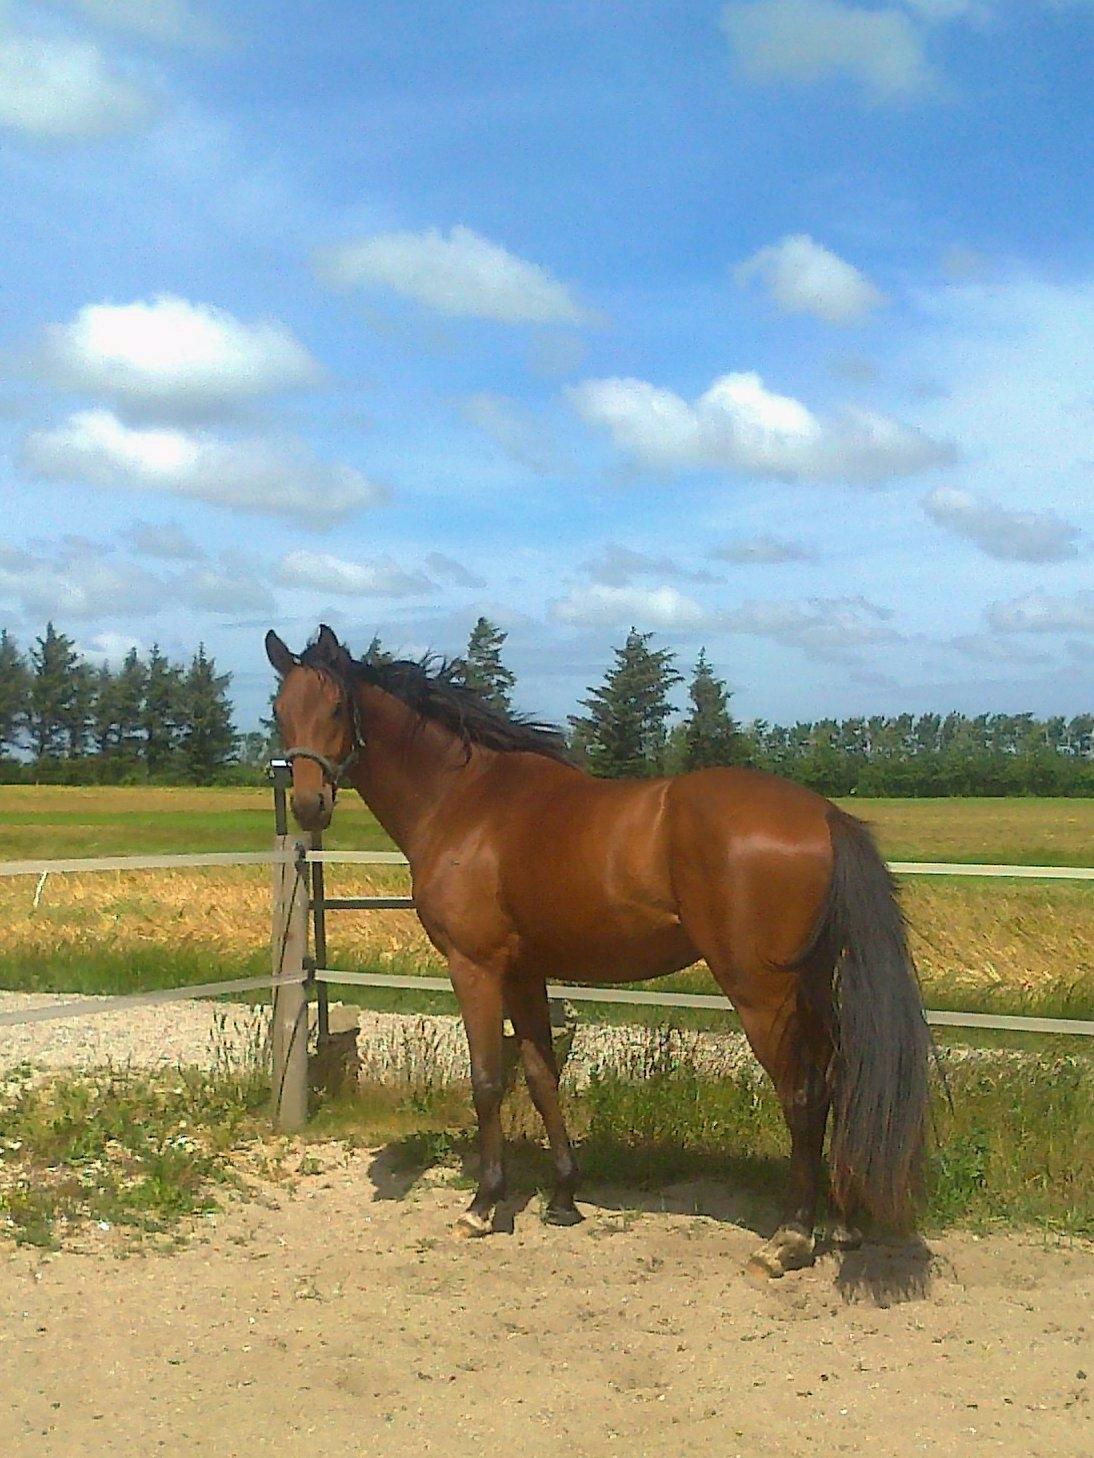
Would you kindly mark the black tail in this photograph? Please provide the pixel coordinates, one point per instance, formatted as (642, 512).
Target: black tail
(879, 1083)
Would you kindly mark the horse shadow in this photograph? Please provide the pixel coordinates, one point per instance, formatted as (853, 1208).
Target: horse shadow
(743, 1194)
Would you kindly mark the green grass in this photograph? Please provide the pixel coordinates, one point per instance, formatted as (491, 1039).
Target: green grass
(120, 1149)
(100, 972)
(1013, 831)
(48, 821)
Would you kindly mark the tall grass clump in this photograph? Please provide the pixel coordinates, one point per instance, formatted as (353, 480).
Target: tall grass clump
(1017, 1144)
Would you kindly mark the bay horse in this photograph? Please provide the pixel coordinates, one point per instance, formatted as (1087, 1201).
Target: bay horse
(524, 867)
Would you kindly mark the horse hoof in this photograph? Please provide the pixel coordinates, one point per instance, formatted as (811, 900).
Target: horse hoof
(563, 1215)
(471, 1226)
(844, 1237)
(787, 1250)
(761, 1269)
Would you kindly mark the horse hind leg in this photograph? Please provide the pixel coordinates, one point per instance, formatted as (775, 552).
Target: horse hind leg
(792, 1042)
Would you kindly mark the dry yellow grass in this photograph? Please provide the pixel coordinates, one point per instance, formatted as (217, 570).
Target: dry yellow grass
(223, 912)
(977, 944)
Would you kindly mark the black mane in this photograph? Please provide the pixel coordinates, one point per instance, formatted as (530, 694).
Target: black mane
(431, 689)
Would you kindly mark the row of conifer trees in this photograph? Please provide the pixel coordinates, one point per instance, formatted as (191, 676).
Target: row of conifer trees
(63, 719)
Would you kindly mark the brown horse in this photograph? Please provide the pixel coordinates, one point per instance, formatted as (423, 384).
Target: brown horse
(525, 867)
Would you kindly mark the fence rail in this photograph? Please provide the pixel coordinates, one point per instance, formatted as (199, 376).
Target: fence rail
(85, 1007)
(396, 858)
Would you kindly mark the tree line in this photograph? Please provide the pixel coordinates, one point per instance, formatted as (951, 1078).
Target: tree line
(66, 720)
(62, 719)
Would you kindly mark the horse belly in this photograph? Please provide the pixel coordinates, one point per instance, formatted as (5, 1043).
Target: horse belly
(609, 947)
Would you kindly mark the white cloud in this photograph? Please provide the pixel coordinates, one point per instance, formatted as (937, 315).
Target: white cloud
(321, 572)
(987, 649)
(462, 275)
(959, 263)
(740, 425)
(442, 566)
(228, 589)
(658, 607)
(804, 41)
(516, 430)
(281, 478)
(764, 549)
(163, 539)
(1040, 612)
(1012, 536)
(172, 22)
(617, 566)
(172, 357)
(74, 588)
(805, 278)
(109, 648)
(826, 627)
(940, 10)
(55, 89)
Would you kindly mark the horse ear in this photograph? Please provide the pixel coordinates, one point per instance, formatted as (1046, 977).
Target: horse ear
(281, 659)
(326, 643)
(330, 650)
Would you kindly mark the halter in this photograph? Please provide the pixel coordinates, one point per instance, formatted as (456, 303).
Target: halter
(334, 773)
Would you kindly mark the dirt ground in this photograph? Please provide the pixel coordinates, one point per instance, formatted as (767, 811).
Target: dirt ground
(341, 1317)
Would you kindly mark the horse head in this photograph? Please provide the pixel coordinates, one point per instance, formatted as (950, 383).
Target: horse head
(318, 722)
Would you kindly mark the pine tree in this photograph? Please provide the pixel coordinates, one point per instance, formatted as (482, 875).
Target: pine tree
(104, 716)
(161, 708)
(14, 691)
(624, 731)
(208, 738)
(481, 668)
(376, 653)
(711, 736)
(78, 715)
(53, 692)
(130, 684)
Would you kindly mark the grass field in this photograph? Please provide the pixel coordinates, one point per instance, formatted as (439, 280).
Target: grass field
(998, 946)
(54, 820)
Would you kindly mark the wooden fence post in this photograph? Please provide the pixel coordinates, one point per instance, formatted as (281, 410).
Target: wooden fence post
(319, 943)
(289, 1029)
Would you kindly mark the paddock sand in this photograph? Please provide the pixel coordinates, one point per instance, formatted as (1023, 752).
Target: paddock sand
(340, 1317)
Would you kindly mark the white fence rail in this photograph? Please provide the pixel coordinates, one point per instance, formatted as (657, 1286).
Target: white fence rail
(396, 858)
(85, 1007)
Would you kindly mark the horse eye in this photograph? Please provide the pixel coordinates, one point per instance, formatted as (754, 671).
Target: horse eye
(336, 711)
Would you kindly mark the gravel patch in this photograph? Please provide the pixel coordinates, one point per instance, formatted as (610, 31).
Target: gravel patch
(393, 1048)
(200, 1034)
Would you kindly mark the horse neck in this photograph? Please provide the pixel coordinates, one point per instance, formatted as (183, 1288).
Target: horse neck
(409, 766)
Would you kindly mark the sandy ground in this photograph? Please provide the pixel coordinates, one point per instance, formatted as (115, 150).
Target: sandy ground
(340, 1316)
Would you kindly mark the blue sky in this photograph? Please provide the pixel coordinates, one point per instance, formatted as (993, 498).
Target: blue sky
(766, 326)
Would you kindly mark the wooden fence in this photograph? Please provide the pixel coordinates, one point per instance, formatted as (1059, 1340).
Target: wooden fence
(299, 895)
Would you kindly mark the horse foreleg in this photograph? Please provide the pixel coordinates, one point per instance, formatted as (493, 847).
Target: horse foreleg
(479, 993)
(528, 1009)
